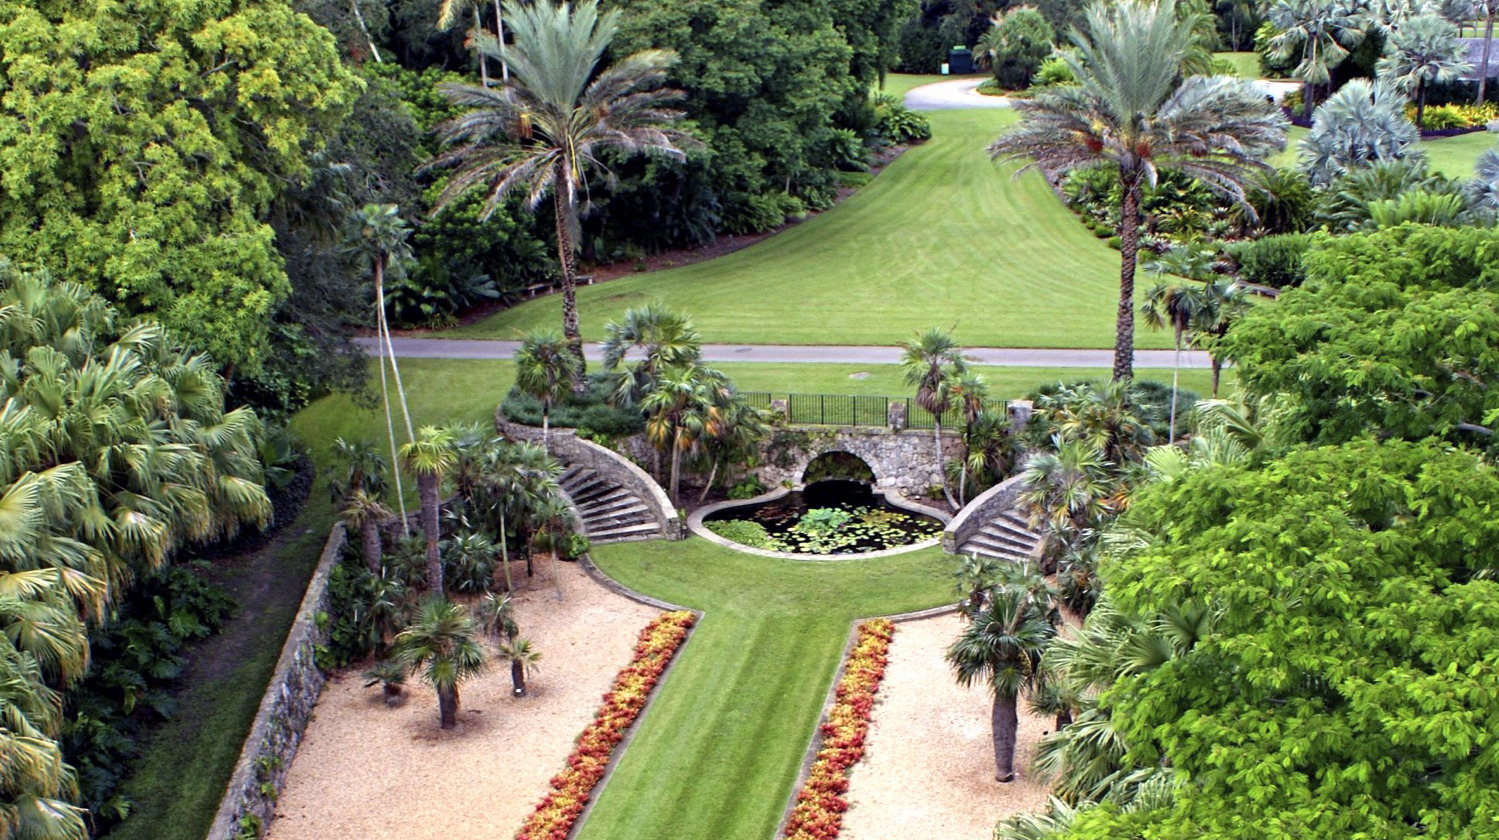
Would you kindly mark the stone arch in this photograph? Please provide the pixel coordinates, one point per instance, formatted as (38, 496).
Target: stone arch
(838, 462)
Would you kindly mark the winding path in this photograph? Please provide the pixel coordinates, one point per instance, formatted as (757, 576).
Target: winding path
(957, 93)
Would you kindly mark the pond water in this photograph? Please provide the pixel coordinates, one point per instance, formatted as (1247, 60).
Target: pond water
(828, 517)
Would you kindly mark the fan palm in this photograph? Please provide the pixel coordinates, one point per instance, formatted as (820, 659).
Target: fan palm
(1363, 123)
(1179, 306)
(1483, 190)
(545, 368)
(1065, 493)
(507, 490)
(429, 458)
(662, 339)
(364, 470)
(687, 404)
(496, 616)
(523, 659)
(1002, 646)
(547, 128)
(440, 647)
(1321, 32)
(933, 363)
(1132, 113)
(1425, 49)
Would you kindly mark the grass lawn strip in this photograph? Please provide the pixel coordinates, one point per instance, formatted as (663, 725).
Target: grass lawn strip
(571, 789)
(818, 812)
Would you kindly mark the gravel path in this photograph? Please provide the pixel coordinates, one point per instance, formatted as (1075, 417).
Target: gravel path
(376, 773)
(950, 95)
(929, 772)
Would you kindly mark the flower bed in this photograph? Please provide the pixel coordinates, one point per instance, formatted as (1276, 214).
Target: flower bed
(818, 813)
(554, 816)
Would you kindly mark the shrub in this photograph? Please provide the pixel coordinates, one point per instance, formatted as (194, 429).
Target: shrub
(1274, 261)
(747, 489)
(744, 532)
(588, 412)
(1054, 71)
(897, 124)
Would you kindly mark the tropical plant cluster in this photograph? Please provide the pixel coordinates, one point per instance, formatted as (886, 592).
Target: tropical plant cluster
(570, 789)
(590, 412)
(819, 806)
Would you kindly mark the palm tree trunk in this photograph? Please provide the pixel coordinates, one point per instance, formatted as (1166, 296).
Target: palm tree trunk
(1217, 371)
(941, 471)
(676, 468)
(369, 532)
(712, 474)
(505, 552)
(390, 429)
(1488, 40)
(546, 428)
(1064, 719)
(1129, 248)
(1005, 722)
(483, 65)
(1176, 366)
(563, 205)
(518, 677)
(447, 707)
(426, 488)
(1420, 102)
(499, 34)
(359, 18)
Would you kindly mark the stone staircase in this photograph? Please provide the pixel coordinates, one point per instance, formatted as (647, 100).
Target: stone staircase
(608, 511)
(1005, 536)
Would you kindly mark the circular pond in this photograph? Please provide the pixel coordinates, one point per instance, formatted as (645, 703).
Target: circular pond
(825, 519)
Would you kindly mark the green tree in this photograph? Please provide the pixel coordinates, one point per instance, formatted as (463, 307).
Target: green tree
(440, 647)
(546, 129)
(513, 481)
(687, 404)
(1131, 112)
(430, 457)
(1179, 307)
(933, 363)
(1424, 50)
(1017, 42)
(367, 513)
(1321, 32)
(1002, 646)
(662, 338)
(144, 158)
(524, 659)
(545, 368)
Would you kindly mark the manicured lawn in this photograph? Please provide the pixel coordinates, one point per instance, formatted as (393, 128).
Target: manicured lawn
(1246, 64)
(943, 237)
(718, 751)
(1454, 157)
(886, 380)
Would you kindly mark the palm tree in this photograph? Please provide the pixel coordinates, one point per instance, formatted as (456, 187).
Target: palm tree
(1489, 8)
(367, 513)
(440, 646)
(1483, 190)
(1322, 32)
(429, 458)
(1066, 492)
(975, 575)
(1179, 306)
(38, 786)
(934, 363)
(1424, 49)
(1132, 113)
(971, 393)
(547, 128)
(1002, 645)
(496, 616)
(686, 405)
(364, 470)
(447, 14)
(662, 339)
(545, 368)
(381, 240)
(523, 659)
(1363, 123)
(1224, 303)
(508, 492)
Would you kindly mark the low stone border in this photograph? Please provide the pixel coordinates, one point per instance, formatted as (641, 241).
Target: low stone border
(695, 525)
(602, 579)
(250, 797)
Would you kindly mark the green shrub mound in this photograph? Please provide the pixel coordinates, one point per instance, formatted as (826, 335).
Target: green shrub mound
(588, 412)
(1274, 261)
(752, 534)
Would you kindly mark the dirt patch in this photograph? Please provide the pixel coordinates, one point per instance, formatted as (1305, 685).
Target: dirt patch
(370, 771)
(929, 770)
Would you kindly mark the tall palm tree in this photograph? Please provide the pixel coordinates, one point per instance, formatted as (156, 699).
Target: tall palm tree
(1002, 645)
(545, 368)
(1488, 8)
(382, 241)
(971, 394)
(687, 404)
(1131, 112)
(429, 458)
(1322, 32)
(1425, 49)
(1179, 306)
(933, 363)
(439, 645)
(547, 128)
(662, 339)
(523, 659)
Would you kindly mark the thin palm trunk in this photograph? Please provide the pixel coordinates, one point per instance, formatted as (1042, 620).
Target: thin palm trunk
(447, 707)
(1420, 102)
(390, 429)
(395, 370)
(359, 18)
(369, 532)
(937, 434)
(1129, 248)
(518, 677)
(712, 475)
(483, 65)
(1217, 372)
(676, 467)
(562, 202)
(1483, 63)
(546, 427)
(499, 34)
(426, 488)
(1176, 366)
(505, 552)
(1005, 721)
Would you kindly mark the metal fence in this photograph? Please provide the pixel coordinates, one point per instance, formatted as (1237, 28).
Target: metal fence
(850, 410)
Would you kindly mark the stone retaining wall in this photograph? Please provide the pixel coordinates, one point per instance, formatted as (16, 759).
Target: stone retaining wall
(571, 449)
(904, 461)
(284, 710)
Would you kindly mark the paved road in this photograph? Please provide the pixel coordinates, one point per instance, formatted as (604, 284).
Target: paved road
(946, 96)
(455, 348)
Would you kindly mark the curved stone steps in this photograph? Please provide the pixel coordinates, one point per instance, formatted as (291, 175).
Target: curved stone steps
(1004, 536)
(607, 511)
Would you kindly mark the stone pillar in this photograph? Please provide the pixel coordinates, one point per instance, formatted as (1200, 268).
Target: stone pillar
(1019, 414)
(896, 415)
(781, 407)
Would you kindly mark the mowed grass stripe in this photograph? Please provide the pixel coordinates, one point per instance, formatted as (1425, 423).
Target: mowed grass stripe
(943, 237)
(719, 750)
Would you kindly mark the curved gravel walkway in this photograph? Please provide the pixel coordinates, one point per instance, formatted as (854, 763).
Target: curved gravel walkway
(952, 95)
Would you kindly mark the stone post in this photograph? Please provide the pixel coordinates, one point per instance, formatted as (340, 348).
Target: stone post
(896, 415)
(1019, 414)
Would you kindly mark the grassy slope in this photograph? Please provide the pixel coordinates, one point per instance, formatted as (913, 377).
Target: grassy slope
(1454, 157)
(718, 751)
(943, 237)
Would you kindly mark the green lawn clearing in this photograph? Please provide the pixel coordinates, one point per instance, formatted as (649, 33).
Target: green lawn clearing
(1454, 157)
(1246, 64)
(943, 237)
(718, 751)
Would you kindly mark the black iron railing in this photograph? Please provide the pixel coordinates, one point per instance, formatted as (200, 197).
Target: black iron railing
(850, 410)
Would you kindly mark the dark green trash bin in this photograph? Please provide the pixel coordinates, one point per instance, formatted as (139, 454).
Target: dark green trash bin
(960, 61)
